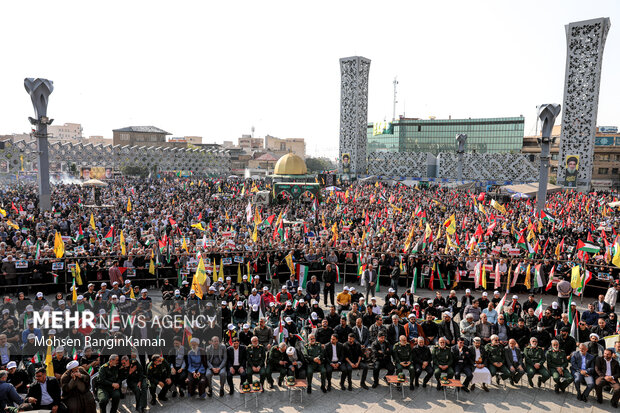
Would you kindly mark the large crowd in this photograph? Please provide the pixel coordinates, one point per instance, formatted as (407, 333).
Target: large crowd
(268, 276)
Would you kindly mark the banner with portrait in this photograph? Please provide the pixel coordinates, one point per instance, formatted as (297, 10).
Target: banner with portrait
(571, 170)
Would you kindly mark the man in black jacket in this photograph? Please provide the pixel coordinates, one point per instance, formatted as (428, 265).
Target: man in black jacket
(313, 288)
(514, 361)
(463, 362)
(236, 363)
(353, 360)
(608, 372)
(329, 281)
(423, 361)
(382, 356)
(44, 394)
(449, 329)
(334, 360)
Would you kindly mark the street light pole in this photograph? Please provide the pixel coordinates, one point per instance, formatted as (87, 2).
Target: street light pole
(39, 91)
(461, 138)
(547, 114)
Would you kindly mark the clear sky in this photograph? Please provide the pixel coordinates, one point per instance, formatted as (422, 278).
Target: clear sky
(215, 69)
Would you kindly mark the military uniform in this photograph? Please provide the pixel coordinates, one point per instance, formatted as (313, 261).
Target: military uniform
(155, 374)
(557, 359)
(532, 356)
(273, 364)
(402, 354)
(133, 379)
(108, 375)
(495, 354)
(442, 357)
(256, 358)
(312, 351)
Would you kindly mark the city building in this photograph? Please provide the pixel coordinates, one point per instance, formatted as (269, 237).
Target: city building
(248, 142)
(66, 132)
(281, 147)
(98, 139)
(606, 165)
(484, 135)
(140, 135)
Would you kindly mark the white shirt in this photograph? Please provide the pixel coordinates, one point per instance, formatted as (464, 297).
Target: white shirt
(608, 371)
(334, 354)
(46, 399)
(236, 357)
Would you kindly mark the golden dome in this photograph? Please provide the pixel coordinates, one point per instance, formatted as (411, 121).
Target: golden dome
(290, 164)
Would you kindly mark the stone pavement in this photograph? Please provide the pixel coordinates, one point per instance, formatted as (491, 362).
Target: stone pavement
(513, 399)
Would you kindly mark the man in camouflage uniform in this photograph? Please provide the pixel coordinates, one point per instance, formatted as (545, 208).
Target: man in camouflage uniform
(277, 361)
(109, 385)
(132, 371)
(442, 360)
(313, 353)
(535, 362)
(257, 355)
(158, 373)
(403, 358)
(496, 359)
(558, 366)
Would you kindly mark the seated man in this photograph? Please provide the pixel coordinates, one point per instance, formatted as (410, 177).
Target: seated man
(236, 361)
(158, 373)
(481, 374)
(277, 361)
(334, 360)
(535, 363)
(314, 362)
(382, 358)
(353, 359)
(462, 362)
(558, 365)
(442, 360)
(608, 372)
(582, 367)
(197, 369)
(496, 359)
(257, 355)
(403, 359)
(216, 364)
(423, 361)
(514, 361)
(108, 384)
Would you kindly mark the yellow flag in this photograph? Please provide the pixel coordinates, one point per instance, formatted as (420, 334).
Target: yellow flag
(152, 267)
(484, 277)
(59, 246)
(221, 271)
(481, 208)
(78, 274)
(257, 219)
(122, 241)
(255, 233)
(198, 226)
(12, 224)
(616, 260)
(197, 288)
(49, 366)
(184, 245)
(3, 212)
(451, 225)
(499, 207)
(575, 277)
(132, 295)
(428, 231)
(128, 204)
(201, 272)
(289, 262)
(528, 275)
(92, 222)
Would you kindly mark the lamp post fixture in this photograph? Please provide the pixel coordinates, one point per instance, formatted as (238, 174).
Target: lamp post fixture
(40, 91)
(547, 114)
(461, 138)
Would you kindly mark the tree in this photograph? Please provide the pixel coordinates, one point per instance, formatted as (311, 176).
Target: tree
(319, 164)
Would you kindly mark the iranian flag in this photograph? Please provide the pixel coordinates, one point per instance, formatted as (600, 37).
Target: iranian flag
(302, 275)
(501, 304)
(37, 252)
(587, 276)
(587, 247)
(280, 331)
(338, 280)
(110, 235)
(539, 310)
(550, 283)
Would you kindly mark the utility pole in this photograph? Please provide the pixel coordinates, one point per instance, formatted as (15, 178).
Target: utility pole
(40, 91)
(395, 82)
(547, 114)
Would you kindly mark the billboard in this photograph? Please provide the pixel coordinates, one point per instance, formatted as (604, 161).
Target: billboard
(572, 169)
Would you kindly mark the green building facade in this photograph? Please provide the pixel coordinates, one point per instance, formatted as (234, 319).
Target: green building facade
(486, 135)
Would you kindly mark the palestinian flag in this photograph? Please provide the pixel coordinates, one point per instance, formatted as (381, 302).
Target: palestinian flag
(79, 235)
(587, 247)
(539, 310)
(501, 304)
(110, 236)
(547, 216)
(521, 242)
(414, 282)
(537, 277)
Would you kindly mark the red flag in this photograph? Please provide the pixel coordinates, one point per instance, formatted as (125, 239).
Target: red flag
(478, 231)
(13, 207)
(199, 216)
(481, 197)
(172, 221)
(550, 283)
